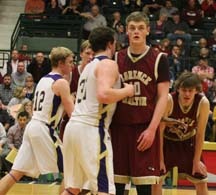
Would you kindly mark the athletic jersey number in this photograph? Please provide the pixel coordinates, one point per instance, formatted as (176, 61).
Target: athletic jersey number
(39, 98)
(82, 92)
(137, 88)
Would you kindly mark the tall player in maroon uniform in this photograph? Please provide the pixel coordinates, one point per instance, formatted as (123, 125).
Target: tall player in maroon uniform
(134, 129)
(181, 146)
(86, 55)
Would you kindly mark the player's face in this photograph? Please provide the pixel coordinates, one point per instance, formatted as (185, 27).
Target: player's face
(68, 64)
(137, 32)
(186, 95)
(86, 55)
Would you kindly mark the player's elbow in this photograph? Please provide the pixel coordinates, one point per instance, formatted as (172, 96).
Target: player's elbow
(103, 98)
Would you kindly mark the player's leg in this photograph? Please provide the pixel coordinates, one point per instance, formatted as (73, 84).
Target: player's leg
(120, 188)
(157, 188)
(201, 188)
(9, 180)
(143, 189)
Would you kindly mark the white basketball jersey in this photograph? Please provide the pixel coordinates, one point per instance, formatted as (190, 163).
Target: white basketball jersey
(47, 106)
(87, 108)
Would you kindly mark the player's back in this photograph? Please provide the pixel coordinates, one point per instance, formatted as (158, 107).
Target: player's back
(47, 106)
(87, 108)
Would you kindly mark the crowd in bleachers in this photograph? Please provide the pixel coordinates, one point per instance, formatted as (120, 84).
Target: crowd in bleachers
(184, 30)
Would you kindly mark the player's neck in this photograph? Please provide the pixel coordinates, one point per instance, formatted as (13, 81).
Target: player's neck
(185, 106)
(103, 53)
(56, 71)
(138, 49)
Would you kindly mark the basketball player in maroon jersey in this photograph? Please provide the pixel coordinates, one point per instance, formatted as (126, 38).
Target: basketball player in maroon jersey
(86, 55)
(181, 146)
(134, 129)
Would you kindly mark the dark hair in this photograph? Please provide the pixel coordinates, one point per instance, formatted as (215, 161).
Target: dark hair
(100, 37)
(188, 80)
(7, 75)
(23, 114)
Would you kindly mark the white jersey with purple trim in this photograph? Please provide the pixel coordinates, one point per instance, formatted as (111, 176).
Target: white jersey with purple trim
(47, 106)
(87, 108)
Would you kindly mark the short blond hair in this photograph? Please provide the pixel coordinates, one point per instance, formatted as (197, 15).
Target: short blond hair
(59, 54)
(138, 17)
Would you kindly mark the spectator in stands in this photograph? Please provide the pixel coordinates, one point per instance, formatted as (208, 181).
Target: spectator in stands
(94, 19)
(205, 72)
(152, 6)
(23, 56)
(209, 8)
(72, 9)
(34, 7)
(157, 27)
(116, 20)
(14, 138)
(176, 62)
(164, 46)
(89, 4)
(132, 5)
(30, 87)
(192, 14)
(5, 118)
(12, 63)
(196, 50)
(176, 28)
(168, 9)
(212, 43)
(19, 77)
(27, 107)
(121, 37)
(19, 97)
(39, 67)
(6, 89)
(52, 9)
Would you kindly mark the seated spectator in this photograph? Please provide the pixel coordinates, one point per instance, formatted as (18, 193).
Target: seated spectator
(176, 62)
(168, 9)
(29, 87)
(212, 43)
(14, 138)
(72, 9)
(19, 97)
(52, 9)
(208, 7)
(89, 4)
(34, 7)
(115, 20)
(196, 50)
(121, 37)
(19, 77)
(12, 63)
(152, 6)
(192, 14)
(39, 67)
(176, 28)
(5, 118)
(133, 5)
(23, 56)
(27, 107)
(164, 46)
(94, 19)
(6, 89)
(206, 74)
(157, 27)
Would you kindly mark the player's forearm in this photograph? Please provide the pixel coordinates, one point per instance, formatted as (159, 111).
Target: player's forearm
(198, 146)
(111, 95)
